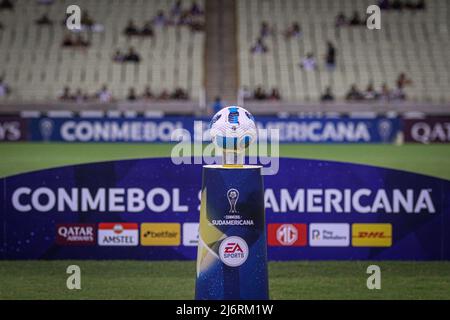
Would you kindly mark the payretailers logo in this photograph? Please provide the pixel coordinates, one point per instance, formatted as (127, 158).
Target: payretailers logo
(329, 234)
(372, 235)
(160, 234)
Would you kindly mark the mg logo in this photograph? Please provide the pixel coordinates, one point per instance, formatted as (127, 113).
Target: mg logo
(287, 234)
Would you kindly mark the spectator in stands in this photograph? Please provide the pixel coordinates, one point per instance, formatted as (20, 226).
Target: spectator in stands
(196, 25)
(398, 94)
(330, 57)
(118, 56)
(309, 62)
(274, 94)
(341, 20)
(132, 56)
(397, 5)
(265, 30)
(4, 88)
(403, 81)
(180, 94)
(259, 94)
(44, 20)
(384, 4)
(67, 41)
(66, 95)
(195, 9)
(80, 97)
(147, 94)
(293, 31)
(160, 19)
(6, 5)
(86, 19)
(131, 29)
(245, 93)
(147, 30)
(80, 41)
(131, 94)
(164, 95)
(104, 95)
(356, 19)
(385, 93)
(259, 47)
(420, 5)
(217, 105)
(176, 9)
(354, 94)
(327, 96)
(370, 93)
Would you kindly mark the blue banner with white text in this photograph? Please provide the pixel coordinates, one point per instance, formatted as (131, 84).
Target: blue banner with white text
(149, 209)
(141, 129)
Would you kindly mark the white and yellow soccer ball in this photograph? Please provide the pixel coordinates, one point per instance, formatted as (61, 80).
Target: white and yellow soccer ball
(233, 129)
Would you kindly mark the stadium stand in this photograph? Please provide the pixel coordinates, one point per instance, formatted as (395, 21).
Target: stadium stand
(37, 67)
(414, 42)
(272, 56)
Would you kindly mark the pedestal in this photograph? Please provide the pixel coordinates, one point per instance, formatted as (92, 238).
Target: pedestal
(232, 251)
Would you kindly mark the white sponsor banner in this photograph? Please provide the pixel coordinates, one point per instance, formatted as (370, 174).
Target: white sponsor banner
(190, 234)
(118, 234)
(329, 234)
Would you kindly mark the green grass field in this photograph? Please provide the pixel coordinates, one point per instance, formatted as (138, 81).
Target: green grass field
(175, 280)
(432, 160)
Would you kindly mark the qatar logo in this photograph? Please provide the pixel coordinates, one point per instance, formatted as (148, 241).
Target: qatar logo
(233, 251)
(287, 234)
(233, 196)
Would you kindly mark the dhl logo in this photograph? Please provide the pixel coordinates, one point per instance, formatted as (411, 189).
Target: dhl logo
(372, 234)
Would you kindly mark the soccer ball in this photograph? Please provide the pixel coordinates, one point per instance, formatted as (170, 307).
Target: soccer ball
(233, 129)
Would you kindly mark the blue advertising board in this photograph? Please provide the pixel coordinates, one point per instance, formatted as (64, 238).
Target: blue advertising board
(140, 129)
(149, 209)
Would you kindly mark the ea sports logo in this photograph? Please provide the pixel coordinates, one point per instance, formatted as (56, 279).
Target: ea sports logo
(287, 234)
(233, 251)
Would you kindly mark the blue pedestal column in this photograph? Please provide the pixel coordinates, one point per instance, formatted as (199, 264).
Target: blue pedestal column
(232, 251)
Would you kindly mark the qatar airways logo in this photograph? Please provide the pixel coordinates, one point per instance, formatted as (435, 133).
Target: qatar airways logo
(136, 200)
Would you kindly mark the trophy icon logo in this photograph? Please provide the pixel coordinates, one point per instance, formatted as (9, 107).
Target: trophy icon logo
(233, 196)
(46, 128)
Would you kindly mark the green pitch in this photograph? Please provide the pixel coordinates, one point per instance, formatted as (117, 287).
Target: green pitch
(176, 280)
(16, 158)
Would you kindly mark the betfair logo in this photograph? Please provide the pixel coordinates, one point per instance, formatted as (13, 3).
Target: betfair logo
(160, 234)
(372, 235)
